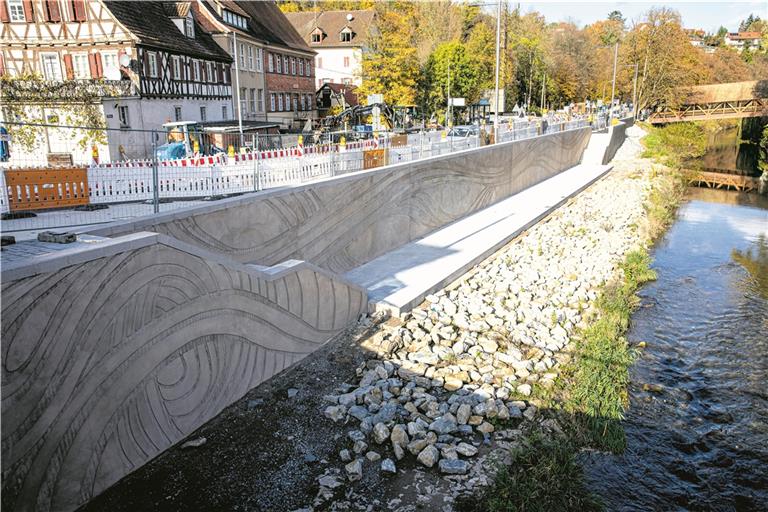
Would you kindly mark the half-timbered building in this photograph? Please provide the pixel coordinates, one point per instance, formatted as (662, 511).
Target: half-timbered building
(161, 65)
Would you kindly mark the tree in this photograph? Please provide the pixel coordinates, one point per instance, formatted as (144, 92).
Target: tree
(746, 25)
(616, 16)
(726, 65)
(667, 61)
(449, 67)
(572, 65)
(436, 22)
(390, 64)
(481, 50)
(31, 99)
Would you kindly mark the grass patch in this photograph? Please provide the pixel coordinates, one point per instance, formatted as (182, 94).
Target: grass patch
(675, 144)
(597, 391)
(544, 476)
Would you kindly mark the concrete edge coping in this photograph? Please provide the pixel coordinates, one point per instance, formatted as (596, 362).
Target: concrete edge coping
(53, 261)
(140, 223)
(453, 277)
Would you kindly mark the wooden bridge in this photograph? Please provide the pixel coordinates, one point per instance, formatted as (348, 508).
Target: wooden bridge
(723, 181)
(718, 101)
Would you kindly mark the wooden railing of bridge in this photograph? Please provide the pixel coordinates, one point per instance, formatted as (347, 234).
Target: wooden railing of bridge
(723, 180)
(718, 101)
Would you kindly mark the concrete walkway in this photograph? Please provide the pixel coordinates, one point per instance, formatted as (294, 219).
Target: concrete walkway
(400, 279)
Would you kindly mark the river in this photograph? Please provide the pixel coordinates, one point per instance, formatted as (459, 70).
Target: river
(697, 426)
(733, 149)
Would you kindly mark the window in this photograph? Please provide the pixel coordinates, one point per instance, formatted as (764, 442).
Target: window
(51, 66)
(279, 64)
(234, 19)
(16, 10)
(177, 113)
(346, 62)
(196, 70)
(243, 101)
(303, 102)
(224, 74)
(122, 116)
(152, 59)
(242, 56)
(293, 66)
(224, 115)
(189, 27)
(250, 58)
(260, 99)
(347, 81)
(272, 102)
(259, 60)
(214, 76)
(80, 65)
(202, 114)
(209, 71)
(271, 63)
(252, 101)
(316, 36)
(285, 64)
(109, 63)
(295, 102)
(308, 68)
(309, 102)
(176, 67)
(280, 102)
(346, 35)
(301, 67)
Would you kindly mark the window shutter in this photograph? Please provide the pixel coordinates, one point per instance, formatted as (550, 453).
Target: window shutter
(92, 65)
(68, 67)
(78, 10)
(51, 10)
(28, 13)
(4, 16)
(145, 59)
(99, 68)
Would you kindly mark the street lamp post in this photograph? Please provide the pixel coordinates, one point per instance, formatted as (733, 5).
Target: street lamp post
(613, 82)
(496, 104)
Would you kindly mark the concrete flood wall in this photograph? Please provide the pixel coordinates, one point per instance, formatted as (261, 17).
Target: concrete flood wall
(112, 354)
(618, 133)
(343, 222)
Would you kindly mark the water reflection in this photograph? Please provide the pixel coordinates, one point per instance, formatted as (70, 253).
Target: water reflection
(697, 438)
(755, 261)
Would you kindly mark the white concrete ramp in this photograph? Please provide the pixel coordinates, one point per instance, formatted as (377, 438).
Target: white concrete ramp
(400, 279)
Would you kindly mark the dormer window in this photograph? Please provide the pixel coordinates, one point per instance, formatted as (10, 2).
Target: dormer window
(189, 27)
(234, 19)
(317, 36)
(345, 36)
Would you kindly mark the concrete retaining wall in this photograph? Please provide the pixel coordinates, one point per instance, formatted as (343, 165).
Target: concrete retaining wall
(618, 133)
(341, 223)
(112, 354)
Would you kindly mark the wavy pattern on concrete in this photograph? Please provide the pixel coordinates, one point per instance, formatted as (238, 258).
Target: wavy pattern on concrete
(110, 361)
(341, 223)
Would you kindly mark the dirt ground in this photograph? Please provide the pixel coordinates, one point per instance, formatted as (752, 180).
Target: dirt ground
(266, 452)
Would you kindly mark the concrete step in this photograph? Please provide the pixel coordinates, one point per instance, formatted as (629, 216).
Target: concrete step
(400, 279)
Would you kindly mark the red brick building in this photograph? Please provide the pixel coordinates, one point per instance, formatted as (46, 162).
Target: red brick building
(289, 68)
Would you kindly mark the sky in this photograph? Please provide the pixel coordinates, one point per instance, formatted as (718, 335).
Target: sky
(707, 15)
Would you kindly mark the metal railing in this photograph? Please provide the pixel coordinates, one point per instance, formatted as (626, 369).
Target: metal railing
(89, 189)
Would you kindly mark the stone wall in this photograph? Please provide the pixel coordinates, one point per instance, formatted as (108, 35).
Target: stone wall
(112, 354)
(343, 222)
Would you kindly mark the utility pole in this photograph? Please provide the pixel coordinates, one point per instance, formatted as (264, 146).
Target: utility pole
(634, 93)
(237, 86)
(448, 106)
(498, 53)
(613, 83)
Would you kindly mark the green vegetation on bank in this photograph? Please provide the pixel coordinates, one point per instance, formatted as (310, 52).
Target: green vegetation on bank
(675, 143)
(591, 397)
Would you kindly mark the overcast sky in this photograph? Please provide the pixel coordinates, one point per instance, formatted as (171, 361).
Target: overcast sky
(707, 15)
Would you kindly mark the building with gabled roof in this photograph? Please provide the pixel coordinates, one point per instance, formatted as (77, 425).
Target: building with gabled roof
(339, 38)
(164, 66)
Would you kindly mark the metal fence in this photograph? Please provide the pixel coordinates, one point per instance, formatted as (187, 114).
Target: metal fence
(66, 184)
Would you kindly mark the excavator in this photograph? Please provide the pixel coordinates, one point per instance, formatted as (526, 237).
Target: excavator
(397, 118)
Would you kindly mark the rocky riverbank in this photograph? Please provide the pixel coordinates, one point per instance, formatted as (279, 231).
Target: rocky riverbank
(419, 412)
(455, 378)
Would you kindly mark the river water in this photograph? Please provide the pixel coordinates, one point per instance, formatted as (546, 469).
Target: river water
(697, 426)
